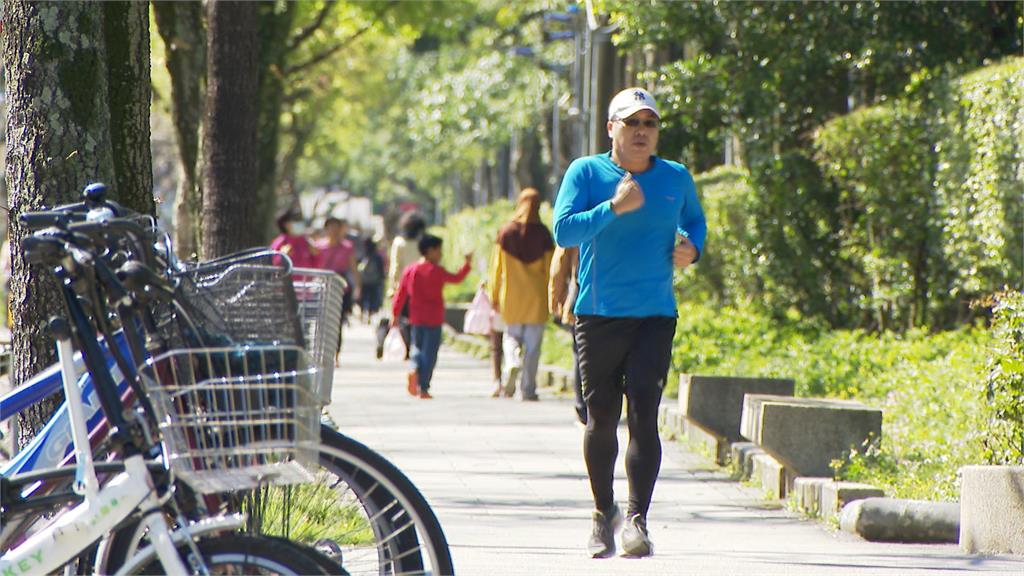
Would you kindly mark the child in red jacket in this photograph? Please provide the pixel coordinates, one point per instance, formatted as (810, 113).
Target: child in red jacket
(421, 286)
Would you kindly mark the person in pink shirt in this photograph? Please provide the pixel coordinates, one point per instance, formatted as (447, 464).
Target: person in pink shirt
(292, 240)
(422, 287)
(338, 254)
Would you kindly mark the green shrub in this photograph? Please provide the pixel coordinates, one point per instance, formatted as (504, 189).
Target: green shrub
(931, 212)
(1004, 386)
(728, 270)
(978, 182)
(882, 164)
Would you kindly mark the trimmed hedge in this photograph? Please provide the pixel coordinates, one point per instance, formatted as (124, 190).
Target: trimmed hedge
(929, 196)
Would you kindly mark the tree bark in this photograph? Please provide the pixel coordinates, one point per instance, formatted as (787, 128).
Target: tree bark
(181, 26)
(57, 142)
(275, 27)
(126, 26)
(229, 141)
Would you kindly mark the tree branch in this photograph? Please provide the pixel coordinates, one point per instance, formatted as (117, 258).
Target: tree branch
(313, 61)
(304, 34)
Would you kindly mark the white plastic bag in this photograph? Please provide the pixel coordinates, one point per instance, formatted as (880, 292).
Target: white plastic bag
(394, 346)
(479, 314)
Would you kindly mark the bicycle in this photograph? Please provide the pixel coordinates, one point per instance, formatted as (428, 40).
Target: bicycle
(135, 486)
(407, 537)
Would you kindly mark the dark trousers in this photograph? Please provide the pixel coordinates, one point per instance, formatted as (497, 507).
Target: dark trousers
(426, 340)
(580, 404)
(623, 357)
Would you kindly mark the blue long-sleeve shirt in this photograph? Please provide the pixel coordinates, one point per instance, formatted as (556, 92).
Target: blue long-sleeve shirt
(626, 261)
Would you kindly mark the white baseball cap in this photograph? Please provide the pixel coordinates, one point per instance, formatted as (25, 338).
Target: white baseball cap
(629, 102)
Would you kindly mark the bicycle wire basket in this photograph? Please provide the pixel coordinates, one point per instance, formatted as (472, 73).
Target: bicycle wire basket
(320, 295)
(236, 418)
(244, 299)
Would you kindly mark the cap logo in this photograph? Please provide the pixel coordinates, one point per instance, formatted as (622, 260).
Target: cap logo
(638, 95)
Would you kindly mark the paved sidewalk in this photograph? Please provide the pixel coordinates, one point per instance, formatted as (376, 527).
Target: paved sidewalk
(508, 482)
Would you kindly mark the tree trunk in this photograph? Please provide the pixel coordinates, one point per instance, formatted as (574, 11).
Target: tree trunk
(126, 26)
(230, 166)
(182, 29)
(57, 142)
(275, 25)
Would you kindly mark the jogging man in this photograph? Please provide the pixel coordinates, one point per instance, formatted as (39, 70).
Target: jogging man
(634, 216)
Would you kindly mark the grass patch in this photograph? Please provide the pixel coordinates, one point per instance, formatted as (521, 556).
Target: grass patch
(310, 512)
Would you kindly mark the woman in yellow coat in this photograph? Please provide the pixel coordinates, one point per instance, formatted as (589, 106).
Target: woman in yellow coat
(519, 291)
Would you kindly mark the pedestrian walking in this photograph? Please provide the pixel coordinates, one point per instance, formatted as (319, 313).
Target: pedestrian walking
(292, 240)
(404, 251)
(371, 277)
(337, 253)
(634, 216)
(519, 292)
(562, 290)
(421, 288)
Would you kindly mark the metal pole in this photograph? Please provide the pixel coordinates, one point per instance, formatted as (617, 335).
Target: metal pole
(556, 151)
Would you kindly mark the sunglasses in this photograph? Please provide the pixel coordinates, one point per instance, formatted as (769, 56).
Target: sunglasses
(652, 123)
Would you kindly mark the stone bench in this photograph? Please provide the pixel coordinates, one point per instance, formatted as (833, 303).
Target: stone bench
(716, 402)
(992, 509)
(807, 434)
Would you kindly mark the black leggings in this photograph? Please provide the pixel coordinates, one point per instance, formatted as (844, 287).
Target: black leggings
(623, 356)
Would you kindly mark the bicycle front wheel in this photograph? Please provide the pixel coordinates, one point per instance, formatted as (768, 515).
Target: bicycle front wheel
(361, 511)
(242, 554)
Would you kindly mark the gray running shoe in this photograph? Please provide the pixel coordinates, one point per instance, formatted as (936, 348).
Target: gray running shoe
(602, 539)
(635, 540)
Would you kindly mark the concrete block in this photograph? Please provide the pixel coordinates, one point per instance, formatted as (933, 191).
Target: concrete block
(807, 434)
(992, 509)
(835, 495)
(893, 520)
(806, 493)
(704, 440)
(716, 402)
(662, 416)
(742, 456)
(770, 474)
(455, 315)
(668, 428)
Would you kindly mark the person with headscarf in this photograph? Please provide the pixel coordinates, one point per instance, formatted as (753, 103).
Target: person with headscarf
(519, 292)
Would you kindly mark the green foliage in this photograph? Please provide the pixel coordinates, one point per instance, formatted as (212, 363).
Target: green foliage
(728, 270)
(1004, 385)
(931, 212)
(427, 98)
(882, 164)
(557, 347)
(929, 385)
(980, 170)
(770, 73)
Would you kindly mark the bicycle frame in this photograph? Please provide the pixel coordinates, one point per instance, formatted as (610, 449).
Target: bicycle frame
(52, 446)
(103, 507)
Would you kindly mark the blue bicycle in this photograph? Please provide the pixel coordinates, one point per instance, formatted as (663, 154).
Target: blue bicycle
(398, 533)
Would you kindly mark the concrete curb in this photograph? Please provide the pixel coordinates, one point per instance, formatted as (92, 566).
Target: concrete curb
(910, 521)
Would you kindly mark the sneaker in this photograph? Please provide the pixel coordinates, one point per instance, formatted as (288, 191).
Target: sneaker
(414, 384)
(635, 540)
(510, 384)
(602, 539)
(426, 395)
